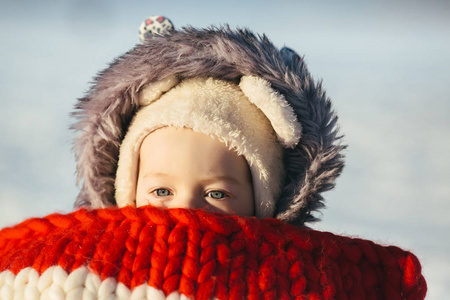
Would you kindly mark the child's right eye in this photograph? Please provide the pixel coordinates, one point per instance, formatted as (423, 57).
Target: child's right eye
(162, 192)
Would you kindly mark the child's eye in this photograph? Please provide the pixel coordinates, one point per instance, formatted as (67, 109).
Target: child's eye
(216, 194)
(162, 192)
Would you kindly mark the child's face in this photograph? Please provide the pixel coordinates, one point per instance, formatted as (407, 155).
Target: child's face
(185, 169)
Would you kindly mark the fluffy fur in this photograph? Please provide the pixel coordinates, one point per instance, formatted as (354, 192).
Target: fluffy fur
(105, 112)
(274, 106)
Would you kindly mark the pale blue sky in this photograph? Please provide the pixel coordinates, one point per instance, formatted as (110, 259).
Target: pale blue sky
(385, 65)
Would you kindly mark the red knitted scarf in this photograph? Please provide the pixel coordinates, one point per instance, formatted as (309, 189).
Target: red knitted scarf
(148, 252)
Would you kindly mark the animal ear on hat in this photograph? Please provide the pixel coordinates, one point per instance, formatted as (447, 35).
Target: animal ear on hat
(153, 91)
(273, 104)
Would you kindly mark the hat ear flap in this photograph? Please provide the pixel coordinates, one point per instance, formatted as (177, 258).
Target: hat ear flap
(273, 104)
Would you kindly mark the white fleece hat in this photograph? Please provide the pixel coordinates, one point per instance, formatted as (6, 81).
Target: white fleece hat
(250, 118)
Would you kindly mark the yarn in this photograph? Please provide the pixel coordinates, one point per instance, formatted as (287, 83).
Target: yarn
(151, 253)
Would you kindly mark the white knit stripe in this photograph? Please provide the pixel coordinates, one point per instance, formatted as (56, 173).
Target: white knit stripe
(56, 284)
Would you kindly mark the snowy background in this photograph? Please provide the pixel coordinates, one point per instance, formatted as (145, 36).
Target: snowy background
(385, 64)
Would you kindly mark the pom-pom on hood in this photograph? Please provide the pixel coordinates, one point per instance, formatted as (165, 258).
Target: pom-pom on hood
(104, 114)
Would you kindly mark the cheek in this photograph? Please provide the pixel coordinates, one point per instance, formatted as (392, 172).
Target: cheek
(140, 201)
(243, 205)
(143, 198)
(140, 195)
(247, 201)
(248, 206)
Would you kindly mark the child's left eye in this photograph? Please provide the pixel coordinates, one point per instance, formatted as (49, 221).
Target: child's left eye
(216, 194)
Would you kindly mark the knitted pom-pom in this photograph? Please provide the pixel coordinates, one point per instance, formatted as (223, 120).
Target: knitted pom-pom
(149, 253)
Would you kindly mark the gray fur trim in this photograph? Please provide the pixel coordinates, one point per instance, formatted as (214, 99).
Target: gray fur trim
(104, 114)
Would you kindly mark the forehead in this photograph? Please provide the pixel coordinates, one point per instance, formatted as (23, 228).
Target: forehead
(183, 149)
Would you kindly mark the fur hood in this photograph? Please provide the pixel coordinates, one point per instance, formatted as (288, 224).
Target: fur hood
(105, 113)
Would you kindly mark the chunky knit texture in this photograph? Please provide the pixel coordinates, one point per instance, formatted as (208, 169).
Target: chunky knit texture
(152, 253)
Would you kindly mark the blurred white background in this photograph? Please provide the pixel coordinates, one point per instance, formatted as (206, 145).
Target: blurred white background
(385, 65)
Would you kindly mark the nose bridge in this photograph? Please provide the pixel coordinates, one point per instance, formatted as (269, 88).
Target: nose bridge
(189, 199)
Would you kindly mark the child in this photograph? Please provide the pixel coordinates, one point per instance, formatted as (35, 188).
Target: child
(201, 138)
(240, 90)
